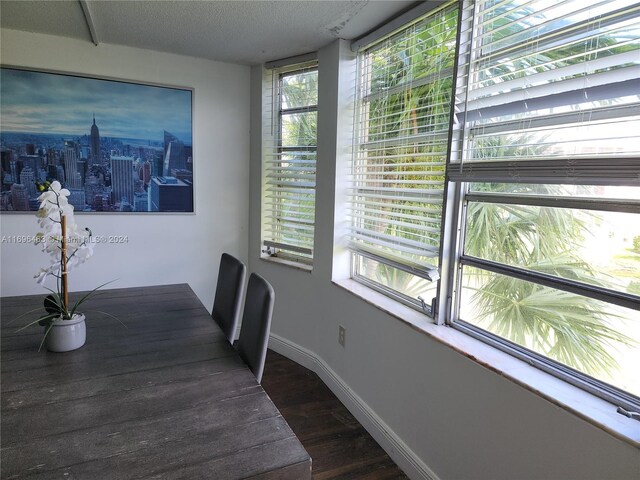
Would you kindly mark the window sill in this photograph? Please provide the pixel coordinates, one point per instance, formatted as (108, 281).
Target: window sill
(590, 408)
(289, 263)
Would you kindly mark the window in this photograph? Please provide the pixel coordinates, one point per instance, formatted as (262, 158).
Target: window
(289, 162)
(548, 170)
(540, 250)
(402, 136)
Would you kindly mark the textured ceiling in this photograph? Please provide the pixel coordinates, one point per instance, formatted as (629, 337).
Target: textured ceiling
(246, 32)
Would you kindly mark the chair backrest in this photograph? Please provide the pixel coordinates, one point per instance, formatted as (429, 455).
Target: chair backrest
(228, 299)
(256, 324)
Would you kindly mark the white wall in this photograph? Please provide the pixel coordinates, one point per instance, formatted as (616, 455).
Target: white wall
(161, 248)
(460, 419)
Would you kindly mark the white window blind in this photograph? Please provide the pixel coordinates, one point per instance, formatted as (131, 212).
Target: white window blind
(552, 92)
(289, 161)
(401, 142)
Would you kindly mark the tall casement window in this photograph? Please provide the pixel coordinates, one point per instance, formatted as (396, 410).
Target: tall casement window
(539, 254)
(401, 141)
(289, 161)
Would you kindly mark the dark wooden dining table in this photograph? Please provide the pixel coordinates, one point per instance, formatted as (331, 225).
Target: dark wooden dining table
(164, 396)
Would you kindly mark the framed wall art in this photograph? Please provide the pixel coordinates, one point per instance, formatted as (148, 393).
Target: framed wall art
(117, 146)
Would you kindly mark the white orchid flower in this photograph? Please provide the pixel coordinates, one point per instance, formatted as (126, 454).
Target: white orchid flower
(41, 276)
(54, 204)
(54, 196)
(53, 229)
(85, 252)
(54, 190)
(43, 273)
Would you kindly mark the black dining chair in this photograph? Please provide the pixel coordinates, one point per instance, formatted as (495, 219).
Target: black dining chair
(228, 298)
(256, 324)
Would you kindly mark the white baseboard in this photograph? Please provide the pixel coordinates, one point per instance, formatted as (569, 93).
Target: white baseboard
(404, 457)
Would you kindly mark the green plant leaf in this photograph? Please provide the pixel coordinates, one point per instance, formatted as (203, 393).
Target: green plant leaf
(82, 300)
(108, 315)
(44, 318)
(23, 315)
(44, 337)
(51, 304)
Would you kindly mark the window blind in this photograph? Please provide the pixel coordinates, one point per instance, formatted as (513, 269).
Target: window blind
(552, 92)
(401, 141)
(289, 160)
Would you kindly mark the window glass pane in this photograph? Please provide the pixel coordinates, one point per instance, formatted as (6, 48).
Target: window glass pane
(421, 110)
(552, 79)
(299, 90)
(299, 129)
(544, 24)
(573, 191)
(548, 139)
(588, 335)
(402, 137)
(289, 163)
(421, 50)
(548, 91)
(406, 283)
(594, 247)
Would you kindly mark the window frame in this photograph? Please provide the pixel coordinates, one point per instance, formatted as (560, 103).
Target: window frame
(428, 306)
(622, 399)
(445, 308)
(603, 171)
(273, 78)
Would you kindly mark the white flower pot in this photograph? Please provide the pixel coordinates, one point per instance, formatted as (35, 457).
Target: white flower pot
(66, 335)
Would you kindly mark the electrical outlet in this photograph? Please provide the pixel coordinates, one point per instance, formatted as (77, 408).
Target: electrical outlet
(342, 332)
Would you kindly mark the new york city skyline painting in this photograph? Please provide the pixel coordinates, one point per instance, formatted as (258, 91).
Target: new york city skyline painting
(117, 146)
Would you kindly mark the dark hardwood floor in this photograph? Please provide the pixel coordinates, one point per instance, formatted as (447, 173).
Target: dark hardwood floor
(339, 446)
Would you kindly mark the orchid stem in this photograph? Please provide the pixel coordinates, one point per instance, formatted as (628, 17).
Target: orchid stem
(63, 263)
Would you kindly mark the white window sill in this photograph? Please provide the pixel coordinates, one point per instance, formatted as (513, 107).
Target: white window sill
(572, 399)
(289, 263)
